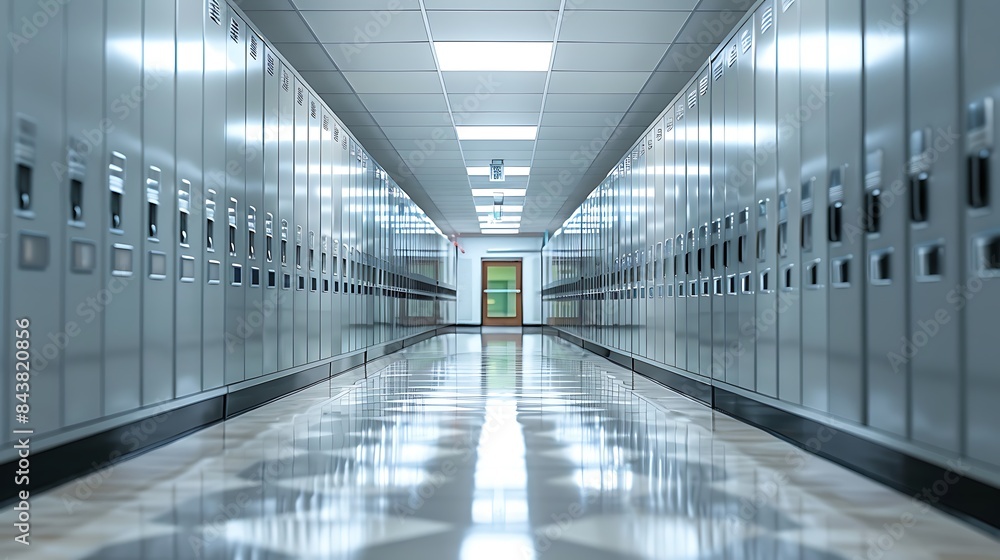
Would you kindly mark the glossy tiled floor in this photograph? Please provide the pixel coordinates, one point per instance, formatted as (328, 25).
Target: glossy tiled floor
(484, 447)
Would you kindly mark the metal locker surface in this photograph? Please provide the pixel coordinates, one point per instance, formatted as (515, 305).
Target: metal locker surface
(745, 183)
(845, 227)
(641, 205)
(981, 233)
(765, 202)
(694, 239)
(5, 153)
(81, 181)
(271, 213)
(123, 207)
(213, 199)
(934, 171)
(234, 206)
(886, 263)
(721, 357)
(669, 338)
(326, 230)
(189, 193)
(298, 229)
(789, 206)
(814, 196)
(285, 220)
(253, 234)
(734, 287)
(159, 202)
(656, 183)
(313, 227)
(682, 259)
(706, 293)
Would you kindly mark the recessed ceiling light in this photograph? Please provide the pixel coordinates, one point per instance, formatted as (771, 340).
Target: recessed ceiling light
(501, 225)
(499, 231)
(508, 171)
(507, 209)
(510, 219)
(506, 192)
(493, 57)
(496, 132)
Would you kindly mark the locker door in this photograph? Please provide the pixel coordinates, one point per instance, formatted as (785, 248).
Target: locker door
(814, 198)
(314, 228)
(299, 227)
(256, 215)
(934, 171)
(326, 218)
(844, 210)
(123, 206)
(213, 241)
(705, 219)
(720, 359)
(271, 214)
(189, 193)
(159, 203)
(5, 153)
(746, 219)
(982, 232)
(886, 262)
(682, 258)
(656, 183)
(789, 207)
(641, 201)
(235, 205)
(285, 223)
(81, 181)
(669, 335)
(734, 175)
(694, 235)
(761, 242)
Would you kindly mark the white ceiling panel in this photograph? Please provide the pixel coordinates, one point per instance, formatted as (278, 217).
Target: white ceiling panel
(403, 103)
(492, 26)
(497, 145)
(486, 155)
(282, 26)
(622, 26)
(604, 119)
(497, 119)
(482, 5)
(344, 102)
(406, 120)
(597, 82)
(383, 57)
(632, 5)
(488, 83)
(498, 103)
(327, 82)
(608, 57)
(361, 28)
(587, 102)
(305, 56)
(708, 27)
(251, 5)
(394, 82)
(434, 133)
(392, 5)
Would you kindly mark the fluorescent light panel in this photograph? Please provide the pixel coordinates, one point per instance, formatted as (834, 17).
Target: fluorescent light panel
(488, 193)
(500, 231)
(510, 219)
(507, 209)
(493, 57)
(496, 132)
(508, 171)
(502, 225)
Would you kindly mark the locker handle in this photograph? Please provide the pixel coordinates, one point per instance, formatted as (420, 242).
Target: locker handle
(783, 239)
(284, 252)
(183, 228)
(210, 234)
(873, 211)
(116, 210)
(741, 248)
(726, 249)
(836, 222)
(918, 197)
(76, 200)
(152, 213)
(762, 245)
(232, 240)
(806, 233)
(251, 250)
(268, 246)
(979, 179)
(24, 179)
(298, 256)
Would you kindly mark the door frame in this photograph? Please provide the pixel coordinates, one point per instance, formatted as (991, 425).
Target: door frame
(516, 321)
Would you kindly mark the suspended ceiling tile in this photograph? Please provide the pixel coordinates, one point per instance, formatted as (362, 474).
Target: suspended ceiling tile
(622, 26)
(468, 118)
(388, 5)
(484, 5)
(392, 57)
(281, 26)
(582, 119)
(609, 57)
(253, 5)
(633, 5)
(708, 27)
(327, 82)
(394, 82)
(492, 26)
(344, 102)
(406, 120)
(597, 82)
(488, 83)
(495, 103)
(392, 102)
(305, 56)
(362, 28)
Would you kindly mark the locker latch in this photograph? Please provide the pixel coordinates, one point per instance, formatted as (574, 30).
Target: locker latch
(183, 211)
(116, 186)
(210, 221)
(152, 201)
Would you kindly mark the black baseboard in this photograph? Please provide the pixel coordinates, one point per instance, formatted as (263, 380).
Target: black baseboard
(596, 349)
(419, 338)
(969, 499)
(691, 387)
(384, 349)
(238, 402)
(623, 360)
(82, 457)
(447, 330)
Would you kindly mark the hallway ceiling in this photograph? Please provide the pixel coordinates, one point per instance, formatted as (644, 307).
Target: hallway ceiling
(616, 65)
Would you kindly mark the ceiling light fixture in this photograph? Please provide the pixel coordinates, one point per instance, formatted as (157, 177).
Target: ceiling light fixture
(508, 219)
(499, 231)
(507, 209)
(493, 57)
(496, 133)
(514, 193)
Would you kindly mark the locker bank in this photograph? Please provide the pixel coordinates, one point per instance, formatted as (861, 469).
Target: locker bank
(686, 279)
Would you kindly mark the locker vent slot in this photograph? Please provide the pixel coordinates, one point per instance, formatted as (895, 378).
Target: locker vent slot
(670, 124)
(681, 288)
(312, 110)
(692, 100)
(746, 40)
(336, 133)
(300, 97)
(919, 197)
(719, 288)
(979, 179)
(315, 284)
(718, 70)
(988, 254)
(746, 283)
(343, 144)
(881, 268)
(767, 20)
(253, 47)
(270, 64)
(234, 30)
(785, 4)
(703, 86)
(706, 288)
(285, 81)
(326, 123)
(840, 273)
(733, 54)
(302, 283)
(930, 262)
(873, 211)
(659, 134)
(215, 11)
(326, 286)
(24, 187)
(670, 290)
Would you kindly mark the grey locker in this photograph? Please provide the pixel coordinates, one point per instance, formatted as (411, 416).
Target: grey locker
(682, 257)
(885, 211)
(123, 207)
(934, 171)
(670, 251)
(285, 221)
(81, 180)
(271, 214)
(326, 246)
(655, 180)
(158, 203)
(720, 233)
(641, 206)
(734, 175)
(299, 226)
(705, 219)
(814, 197)
(845, 233)
(213, 199)
(255, 218)
(5, 153)
(745, 182)
(694, 232)
(765, 201)
(314, 227)
(234, 208)
(188, 191)
(981, 233)
(789, 206)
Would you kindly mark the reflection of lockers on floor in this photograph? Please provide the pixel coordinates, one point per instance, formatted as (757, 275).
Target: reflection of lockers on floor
(182, 210)
(820, 210)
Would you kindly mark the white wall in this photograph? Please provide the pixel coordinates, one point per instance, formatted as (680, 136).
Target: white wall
(499, 247)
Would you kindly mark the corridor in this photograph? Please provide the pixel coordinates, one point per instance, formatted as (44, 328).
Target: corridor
(487, 446)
